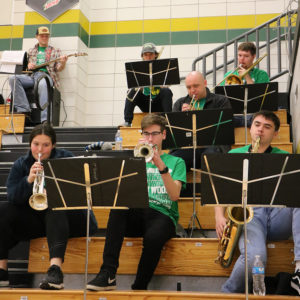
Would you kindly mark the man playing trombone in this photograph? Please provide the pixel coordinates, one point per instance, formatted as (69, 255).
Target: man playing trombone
(161, 97)
(245, 70)
(268, 223)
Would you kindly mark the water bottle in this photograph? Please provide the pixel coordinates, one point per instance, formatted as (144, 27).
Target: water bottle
(258, 275)
(118, 141)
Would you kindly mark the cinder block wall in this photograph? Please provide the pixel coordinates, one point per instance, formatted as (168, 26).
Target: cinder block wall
(112, 33)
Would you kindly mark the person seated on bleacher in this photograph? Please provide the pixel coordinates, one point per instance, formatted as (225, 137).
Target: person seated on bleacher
(203, 99)
(156, 224)
(19, 222)
(246, 57)
(267, 223)
(40, 54)
(161, 97)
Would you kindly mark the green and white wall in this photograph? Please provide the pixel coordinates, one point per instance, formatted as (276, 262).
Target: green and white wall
(112, 33)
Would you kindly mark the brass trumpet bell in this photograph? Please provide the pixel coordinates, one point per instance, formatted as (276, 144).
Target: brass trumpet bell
(38, 201)
(144, 150)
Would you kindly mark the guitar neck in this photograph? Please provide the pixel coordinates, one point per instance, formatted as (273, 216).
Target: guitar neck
(51, 61)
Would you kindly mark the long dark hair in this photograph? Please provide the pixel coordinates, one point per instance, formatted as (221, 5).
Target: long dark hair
(45, 129)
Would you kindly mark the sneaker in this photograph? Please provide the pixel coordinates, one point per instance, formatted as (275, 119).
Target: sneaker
(295, 281)
(54, 279)
(4, 278)
(102, 282)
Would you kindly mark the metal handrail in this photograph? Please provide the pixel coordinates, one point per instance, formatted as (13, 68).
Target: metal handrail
(266, 26)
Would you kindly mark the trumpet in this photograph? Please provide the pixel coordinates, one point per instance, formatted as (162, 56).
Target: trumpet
(144, 150)
(38, 199)
(192, 103)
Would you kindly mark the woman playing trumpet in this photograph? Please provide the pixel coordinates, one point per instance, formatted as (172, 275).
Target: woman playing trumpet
(19, 222)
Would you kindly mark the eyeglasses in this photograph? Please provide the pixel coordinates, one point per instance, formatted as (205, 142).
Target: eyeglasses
(154, 133)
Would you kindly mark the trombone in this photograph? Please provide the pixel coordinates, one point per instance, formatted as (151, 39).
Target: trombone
(231, 78)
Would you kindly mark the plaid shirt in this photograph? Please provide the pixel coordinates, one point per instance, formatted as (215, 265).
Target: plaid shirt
(51, 54)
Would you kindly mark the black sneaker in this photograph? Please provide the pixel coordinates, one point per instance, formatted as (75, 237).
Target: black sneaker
(295, 281)
(54, 279)
(102, 282)
(4, 282)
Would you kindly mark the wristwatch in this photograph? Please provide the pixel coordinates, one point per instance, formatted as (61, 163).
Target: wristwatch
(164, 171)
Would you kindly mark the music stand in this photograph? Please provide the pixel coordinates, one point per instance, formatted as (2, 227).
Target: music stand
(86, 183)
(149, 73)
(195, 129)
(250, 98)
(256, 179)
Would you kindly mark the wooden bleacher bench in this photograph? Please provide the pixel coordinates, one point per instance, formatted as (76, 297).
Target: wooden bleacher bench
(180, 256)
(36, 294)
(9, 123)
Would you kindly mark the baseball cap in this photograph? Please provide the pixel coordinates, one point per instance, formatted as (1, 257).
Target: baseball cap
(149, 47)
(42, 30)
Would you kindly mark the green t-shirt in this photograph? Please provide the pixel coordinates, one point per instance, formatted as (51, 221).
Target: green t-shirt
(158, 196)
(154, 91)
(41, 58)
(245, 149)
(257, 75)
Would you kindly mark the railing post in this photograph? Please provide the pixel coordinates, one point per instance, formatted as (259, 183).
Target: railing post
(204, 66)
(278, 46)
(257, 42)
(289, 34)
(268, 50)
(224, 59)
(214, 68)
(235, 54)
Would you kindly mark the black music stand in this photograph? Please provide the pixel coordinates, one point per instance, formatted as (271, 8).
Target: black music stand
(149, 73)
(250, 98)
(256, 179)
(94, 183)
(194, 129)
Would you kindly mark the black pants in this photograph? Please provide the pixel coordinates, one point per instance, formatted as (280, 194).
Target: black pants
(155, 228)
(161, 103)
(23, 223)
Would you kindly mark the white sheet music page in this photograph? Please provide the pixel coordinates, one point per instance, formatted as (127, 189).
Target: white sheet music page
(10, 59)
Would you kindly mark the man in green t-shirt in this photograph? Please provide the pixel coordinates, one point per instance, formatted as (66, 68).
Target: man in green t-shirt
(156, 224)
(268, 223)
(246, 57)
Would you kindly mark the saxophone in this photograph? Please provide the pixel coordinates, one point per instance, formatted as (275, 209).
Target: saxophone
(233, 227)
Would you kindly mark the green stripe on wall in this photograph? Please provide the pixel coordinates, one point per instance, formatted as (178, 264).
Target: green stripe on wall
(11, 44)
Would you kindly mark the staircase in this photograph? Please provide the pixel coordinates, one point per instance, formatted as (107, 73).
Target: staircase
(266, 36)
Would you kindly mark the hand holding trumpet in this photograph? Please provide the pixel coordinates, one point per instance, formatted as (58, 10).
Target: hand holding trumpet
(35, 169)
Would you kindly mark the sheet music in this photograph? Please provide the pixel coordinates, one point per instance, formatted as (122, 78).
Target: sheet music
(10, 59)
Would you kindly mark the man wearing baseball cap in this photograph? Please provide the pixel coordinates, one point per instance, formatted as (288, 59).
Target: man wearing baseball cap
(39, 55)
(161, 97)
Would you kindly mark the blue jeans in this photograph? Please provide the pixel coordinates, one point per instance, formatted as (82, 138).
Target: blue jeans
(267, 224)
(21, 103)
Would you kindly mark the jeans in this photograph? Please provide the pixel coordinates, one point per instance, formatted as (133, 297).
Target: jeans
(155, 228)
(161, 103)
(267, 224)
(21, 103)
